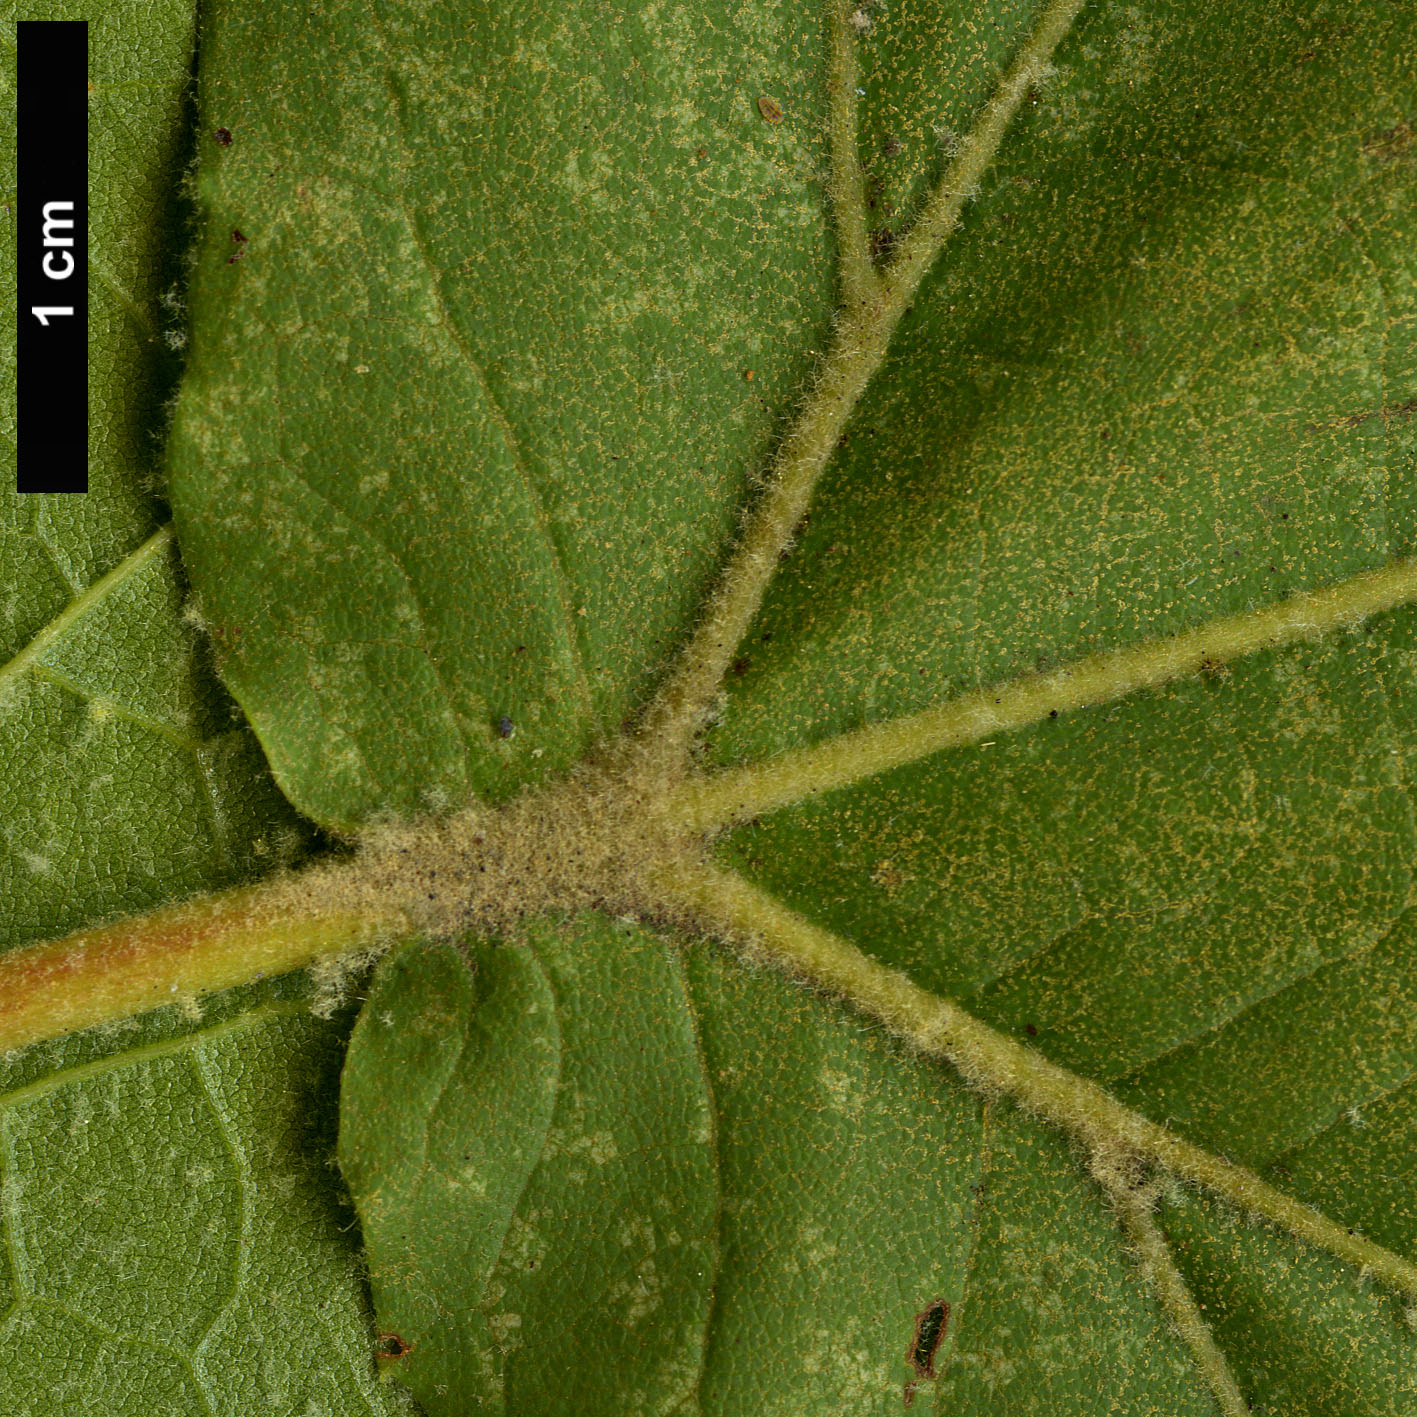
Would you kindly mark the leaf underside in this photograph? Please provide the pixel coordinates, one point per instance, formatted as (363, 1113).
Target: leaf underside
(520, 302)
(169, 1239)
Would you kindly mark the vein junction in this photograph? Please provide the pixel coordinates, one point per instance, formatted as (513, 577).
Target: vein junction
(633, 834)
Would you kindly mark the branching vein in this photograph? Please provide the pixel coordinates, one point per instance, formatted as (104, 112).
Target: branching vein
(862, 336)
(125, 570)
(730, 908)
(1134, 1206)
(632, 833)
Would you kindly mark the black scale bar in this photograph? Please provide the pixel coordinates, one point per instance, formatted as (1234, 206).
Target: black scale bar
(52, 133)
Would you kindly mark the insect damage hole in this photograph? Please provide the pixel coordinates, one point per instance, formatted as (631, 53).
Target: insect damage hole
(930, 1325)
(390, 1346)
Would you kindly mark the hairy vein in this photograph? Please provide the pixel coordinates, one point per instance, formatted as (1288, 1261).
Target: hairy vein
(740, 794)
(125, 570)
(859, 347)
(1134, 1205)
(847, 186)
(732, 909)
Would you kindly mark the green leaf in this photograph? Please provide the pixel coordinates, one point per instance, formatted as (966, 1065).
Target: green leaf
(171, 1243)
(508, 327)
(556, 1125)
(428, 231)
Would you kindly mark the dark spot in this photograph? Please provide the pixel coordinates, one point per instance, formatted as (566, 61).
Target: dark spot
(1106, 433)
(240, 251)
(238, 238)
(1052, 713)
(892, 146)
(223, 137)
(505, 727)
(930, 1325)
(1395, 144)
(390, 1345)
(1386, 412)
(882, 242)
(520, 649)
(740, 666)
(701, 154)
(1031, 1030)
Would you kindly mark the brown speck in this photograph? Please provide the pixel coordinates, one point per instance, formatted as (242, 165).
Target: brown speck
(887, 876)
(391, 1346)
(770, 108)
(1393, 144)
(223, 137)
(1031, 1030)
(237, 237)
(892, 146)
(882, 242)
(748, 376)
(701, 154)
(1386, 412)
(740, 666)
(505, 727)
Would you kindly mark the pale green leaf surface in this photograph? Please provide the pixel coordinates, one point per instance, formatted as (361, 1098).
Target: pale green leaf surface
(739, 1203)
(1050, 1315)
(169, 1241)
(1296, 1326)
(540, 1202)
(1164, 373)
(466, 422)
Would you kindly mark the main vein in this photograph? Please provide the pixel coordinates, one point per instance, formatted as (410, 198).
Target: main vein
(743, 793)
(863, 332)
(733, 909)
